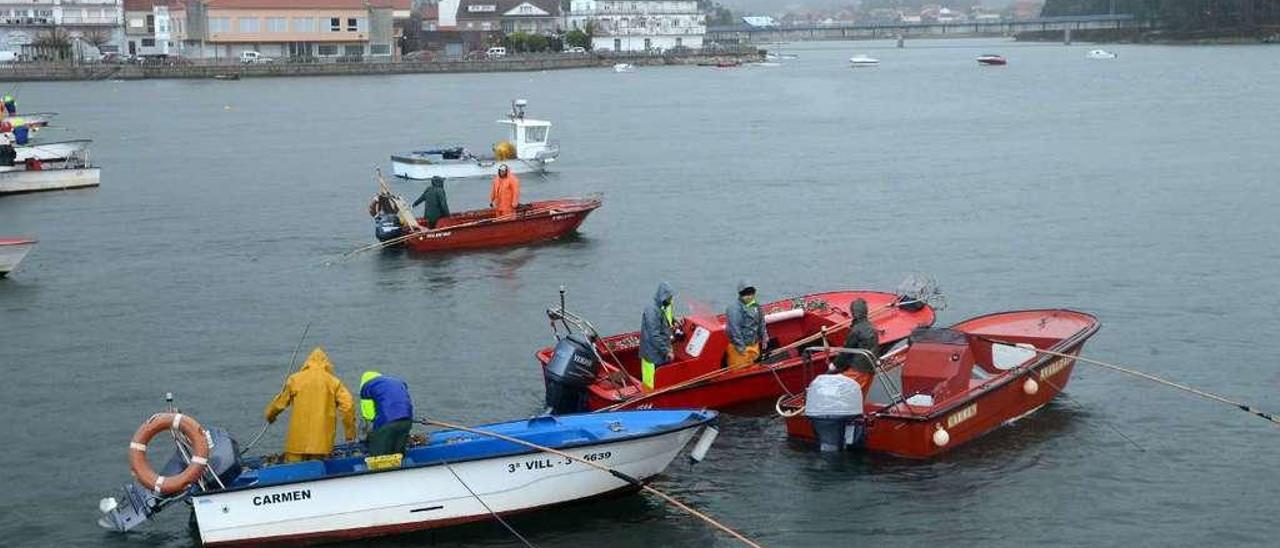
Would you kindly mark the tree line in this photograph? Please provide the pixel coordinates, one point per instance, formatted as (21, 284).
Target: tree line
(1177, 14)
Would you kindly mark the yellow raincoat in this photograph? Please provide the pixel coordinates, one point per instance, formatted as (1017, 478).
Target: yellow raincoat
(317, 395)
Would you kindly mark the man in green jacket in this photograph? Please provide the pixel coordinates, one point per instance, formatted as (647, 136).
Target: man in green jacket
(435, 203)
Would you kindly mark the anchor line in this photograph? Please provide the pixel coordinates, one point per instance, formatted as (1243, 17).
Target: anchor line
(293, 359)
(495, 515)
(1109, 424)
(1147, 376)
(615, 473)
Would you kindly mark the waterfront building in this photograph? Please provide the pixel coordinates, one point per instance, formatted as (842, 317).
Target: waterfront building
(305, 29)
(77, 25)
(637, 25)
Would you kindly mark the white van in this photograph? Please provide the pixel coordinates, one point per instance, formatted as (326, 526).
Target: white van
(496, 52)
(8, 56)
(254, 57)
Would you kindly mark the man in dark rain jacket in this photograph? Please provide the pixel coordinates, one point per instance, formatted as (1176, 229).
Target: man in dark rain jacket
(656, 334)
(435, 203)
(861, 335)
(745, 327)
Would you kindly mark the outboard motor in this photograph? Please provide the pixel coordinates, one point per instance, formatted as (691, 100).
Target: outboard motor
(833, 403)
(137, 505)
(386, 226)
(573, 367)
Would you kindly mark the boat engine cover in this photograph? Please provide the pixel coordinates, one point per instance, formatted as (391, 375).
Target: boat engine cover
(572, 368)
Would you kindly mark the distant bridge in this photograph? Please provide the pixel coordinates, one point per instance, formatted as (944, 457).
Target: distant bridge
(746, 34)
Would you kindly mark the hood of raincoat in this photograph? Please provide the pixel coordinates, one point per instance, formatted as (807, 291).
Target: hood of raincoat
(318, 360)
(743, 286)
(316, 399)
(859, 309)
(437, 182)
(663, 294)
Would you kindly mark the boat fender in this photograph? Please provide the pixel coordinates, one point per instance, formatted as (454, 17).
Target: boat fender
(705, 440)
(941, 437)
(178, 423)
(1031, 387)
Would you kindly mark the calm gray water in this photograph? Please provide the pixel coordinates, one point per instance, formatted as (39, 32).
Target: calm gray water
(1142, 190)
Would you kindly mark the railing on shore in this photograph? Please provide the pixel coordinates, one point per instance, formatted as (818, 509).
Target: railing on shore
(368, 65)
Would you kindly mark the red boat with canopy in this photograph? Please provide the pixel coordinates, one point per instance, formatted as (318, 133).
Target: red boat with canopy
(587, 372)
(944, 387)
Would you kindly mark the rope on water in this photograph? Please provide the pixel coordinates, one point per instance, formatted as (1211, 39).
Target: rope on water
(624, 477)
(486, 506)
(1147, 376)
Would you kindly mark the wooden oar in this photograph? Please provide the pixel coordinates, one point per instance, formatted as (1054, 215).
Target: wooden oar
(615, 473)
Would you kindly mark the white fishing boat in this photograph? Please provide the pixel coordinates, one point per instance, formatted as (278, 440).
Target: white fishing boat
(527, 149)
(75, 172)
(624, 67)
(862, 60)
(53, 151)
(1100, 54)
(12, 251)
(451, 477)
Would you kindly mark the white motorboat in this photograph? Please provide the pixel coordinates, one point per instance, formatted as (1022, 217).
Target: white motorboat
(12, 251)
(74, 172)
(862, 60)
(451, 477)
(527, 149)
(1100, 54)
(624, 67)
(55, 151)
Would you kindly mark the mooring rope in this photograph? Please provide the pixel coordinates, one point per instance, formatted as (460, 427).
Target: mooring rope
(1147, 376)
(622, 476)
(495, 515)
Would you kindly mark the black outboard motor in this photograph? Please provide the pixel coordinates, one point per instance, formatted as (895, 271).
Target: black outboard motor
(833, 403)
(136, 505)
(386, 226)
(573, 367)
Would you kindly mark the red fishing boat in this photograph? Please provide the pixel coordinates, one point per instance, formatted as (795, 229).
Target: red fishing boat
(603, 373)
(944, 387)
(532, 222)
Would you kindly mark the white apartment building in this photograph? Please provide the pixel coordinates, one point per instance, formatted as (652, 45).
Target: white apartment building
(23, 21)
(638, 25)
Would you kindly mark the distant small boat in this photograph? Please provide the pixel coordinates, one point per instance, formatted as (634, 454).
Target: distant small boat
(55, 151)
(227, 76)
(1100, 54)
(862, 60)
(533, 222)
(992, 60)
(780, 56)
(624, 67)
(765, 64)
(12, 251)
(72, 172)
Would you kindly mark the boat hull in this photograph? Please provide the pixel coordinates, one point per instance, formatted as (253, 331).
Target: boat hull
(409, 167)
(992, 61)
(429, 497)
(20, 181)
(12, 251)
(909, 431)
(478, 229)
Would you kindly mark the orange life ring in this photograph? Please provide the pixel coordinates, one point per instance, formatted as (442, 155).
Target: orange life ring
(141, 469)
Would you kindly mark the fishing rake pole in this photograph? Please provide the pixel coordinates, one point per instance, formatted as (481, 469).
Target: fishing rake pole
(615, 473)
(1147, 376)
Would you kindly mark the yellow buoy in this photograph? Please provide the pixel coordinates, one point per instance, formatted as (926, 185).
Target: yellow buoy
(504, 151)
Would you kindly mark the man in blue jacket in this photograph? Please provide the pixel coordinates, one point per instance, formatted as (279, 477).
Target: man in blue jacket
(385, 402)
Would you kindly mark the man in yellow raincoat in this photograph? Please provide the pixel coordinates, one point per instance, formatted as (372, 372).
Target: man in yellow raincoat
(317, 396)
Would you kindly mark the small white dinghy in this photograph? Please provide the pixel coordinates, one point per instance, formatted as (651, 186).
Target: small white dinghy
(624, 67)
(863, 60)
(526, 150)
(55, 151)
(73, 172)
(12, 251)
(1100, 54)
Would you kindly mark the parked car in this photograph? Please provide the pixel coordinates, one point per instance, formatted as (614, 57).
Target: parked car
(576, 49)
(421, 55)
(496, 53)
(254, 57)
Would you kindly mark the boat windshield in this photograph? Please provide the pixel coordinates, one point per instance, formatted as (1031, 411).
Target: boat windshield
(535, 134)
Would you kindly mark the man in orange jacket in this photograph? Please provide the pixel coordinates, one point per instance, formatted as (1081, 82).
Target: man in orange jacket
(504, 196)
(317, 396)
